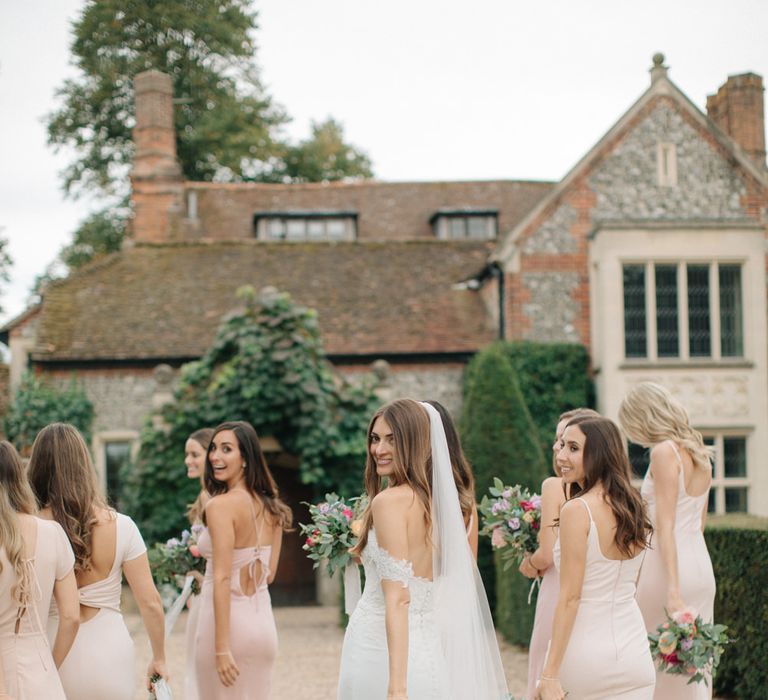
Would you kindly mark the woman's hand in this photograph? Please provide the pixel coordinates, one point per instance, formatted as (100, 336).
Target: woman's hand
(195, 574)
(549, 689)
(227, 668)
(156, 669)
(527, 569)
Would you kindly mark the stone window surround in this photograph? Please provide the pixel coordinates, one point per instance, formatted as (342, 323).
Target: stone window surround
(719, 481)
(682, 305)
(666, 160)
(99, 443)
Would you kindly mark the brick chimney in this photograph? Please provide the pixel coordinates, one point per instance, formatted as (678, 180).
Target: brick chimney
(156, 181)
(737, 109)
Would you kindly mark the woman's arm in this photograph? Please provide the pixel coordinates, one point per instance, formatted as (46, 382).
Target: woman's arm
(552, 499)
(472, 535)
(666, 480)
(574, 529)
(68, 602)
(139, 577)
(274, 559)
(221, 526)
(389, 520)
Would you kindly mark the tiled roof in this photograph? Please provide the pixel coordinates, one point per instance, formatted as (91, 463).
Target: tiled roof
(166, 301)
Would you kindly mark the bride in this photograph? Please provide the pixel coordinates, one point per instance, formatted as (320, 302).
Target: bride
(422, 629)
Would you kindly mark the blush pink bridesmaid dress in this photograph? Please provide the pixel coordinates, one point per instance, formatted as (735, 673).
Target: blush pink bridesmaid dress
(253, 635)
(30, 673)
(697, 580)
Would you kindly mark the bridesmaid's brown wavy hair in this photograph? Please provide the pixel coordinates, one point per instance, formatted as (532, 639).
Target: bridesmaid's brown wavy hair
(258, 478)
(63, 479)
(606, 463)
(412, 459)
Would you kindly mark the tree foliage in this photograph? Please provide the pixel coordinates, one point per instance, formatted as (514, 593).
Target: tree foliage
(101, 233)
(267, 366)
(5, 262)
(38, 403)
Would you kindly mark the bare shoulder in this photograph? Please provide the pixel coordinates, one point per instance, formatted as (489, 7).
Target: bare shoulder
(221, 504)
(574, 514)
(551, 486)
(664, 459)
(394, 499)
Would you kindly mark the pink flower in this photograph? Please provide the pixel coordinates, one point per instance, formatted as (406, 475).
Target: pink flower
(497, 538)
(309, 542)
(348, 513)
(194, 550)
(671, 658)
(686, 616)
(527, 505)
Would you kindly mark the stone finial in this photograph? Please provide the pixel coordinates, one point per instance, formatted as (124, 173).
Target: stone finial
(658, 70)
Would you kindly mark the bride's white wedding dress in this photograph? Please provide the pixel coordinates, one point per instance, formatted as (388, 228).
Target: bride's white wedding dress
(364, 670)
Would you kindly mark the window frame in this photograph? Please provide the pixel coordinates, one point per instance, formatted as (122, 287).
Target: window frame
(651, 335)
(444, 220)
(721, 482)
(264, 224)
(99, 447)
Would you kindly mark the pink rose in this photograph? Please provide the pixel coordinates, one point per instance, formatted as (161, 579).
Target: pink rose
(686, 616)
(497, 538)
(194, 550)
(347, 512)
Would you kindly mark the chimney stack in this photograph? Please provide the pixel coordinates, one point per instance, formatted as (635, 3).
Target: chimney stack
(738, 110)
(156, 181)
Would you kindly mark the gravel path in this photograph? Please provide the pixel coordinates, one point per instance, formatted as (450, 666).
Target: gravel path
(308, 660)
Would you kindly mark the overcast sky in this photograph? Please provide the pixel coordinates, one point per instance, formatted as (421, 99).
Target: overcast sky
(430, 89)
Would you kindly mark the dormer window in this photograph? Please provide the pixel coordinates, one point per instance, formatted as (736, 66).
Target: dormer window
(306, 226)
(464, 224)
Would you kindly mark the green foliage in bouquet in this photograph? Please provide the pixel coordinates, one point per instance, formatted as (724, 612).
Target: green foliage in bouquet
(38, 403)
(172, 560)
(330, 535)
(738, 547)
(267, 366)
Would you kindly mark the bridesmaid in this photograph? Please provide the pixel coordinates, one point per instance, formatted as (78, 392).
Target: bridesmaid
(195, 451)
(678, 571)
(35, 565)
(107, 545)
(245, 519)
(541, 563)
(599, 646)
(462, 475)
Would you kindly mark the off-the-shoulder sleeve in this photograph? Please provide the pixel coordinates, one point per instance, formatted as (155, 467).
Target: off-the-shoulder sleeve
(391, 569)
(65, 557)
(134, 542)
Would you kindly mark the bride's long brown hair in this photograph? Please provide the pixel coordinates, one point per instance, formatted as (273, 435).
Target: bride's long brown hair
(412, 459)
(606, 463)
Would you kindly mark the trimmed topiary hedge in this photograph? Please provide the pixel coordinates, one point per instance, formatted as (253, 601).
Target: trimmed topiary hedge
(738, 546)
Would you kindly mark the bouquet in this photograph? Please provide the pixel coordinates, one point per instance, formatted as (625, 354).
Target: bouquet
(173, 560)
(511, 517)
(333, 530)
(686, 645)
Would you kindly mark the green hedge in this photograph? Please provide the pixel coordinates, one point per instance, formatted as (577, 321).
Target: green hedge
(514, 616)
(738, 546)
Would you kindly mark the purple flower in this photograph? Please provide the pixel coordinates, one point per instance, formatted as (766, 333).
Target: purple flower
(686, 644)
(197, 528)
(324, 508)
(185, 536)
(507, 493)
(514, 523)
(536, 501)
(172, 543)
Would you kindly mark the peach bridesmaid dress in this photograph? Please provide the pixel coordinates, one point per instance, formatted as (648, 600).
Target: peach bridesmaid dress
(697, 580)
(608, 654)
(30, 673)
(253, 635)
(101, 664)
(542, 626)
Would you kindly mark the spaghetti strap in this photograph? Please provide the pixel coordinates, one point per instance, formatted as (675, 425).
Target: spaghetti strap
(586, 505)
(257, 528)
(677, 453)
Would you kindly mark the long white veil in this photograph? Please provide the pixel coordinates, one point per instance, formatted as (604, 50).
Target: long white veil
(461, 606)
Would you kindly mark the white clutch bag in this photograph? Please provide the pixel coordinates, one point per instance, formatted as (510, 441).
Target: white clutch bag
(161, 691)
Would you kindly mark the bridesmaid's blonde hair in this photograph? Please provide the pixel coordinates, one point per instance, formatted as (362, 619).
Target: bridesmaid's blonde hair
(63, 479)
(412, 459)
(15, 497)
(649, 414)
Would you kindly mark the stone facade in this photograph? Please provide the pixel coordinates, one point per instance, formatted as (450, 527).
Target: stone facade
(554, 236)
(626, 182)
(552, 309)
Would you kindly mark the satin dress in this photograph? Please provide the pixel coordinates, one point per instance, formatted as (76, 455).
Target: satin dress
(253, 635)
(101, 663)
(697, 580)
(30, 673)
(542, 626)
(608, 655)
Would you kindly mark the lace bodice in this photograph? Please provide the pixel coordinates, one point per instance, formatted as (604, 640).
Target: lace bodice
(380, 565)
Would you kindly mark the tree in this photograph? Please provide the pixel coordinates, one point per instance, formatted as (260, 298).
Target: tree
(267, 366)
(224, 120)
(101, 233)
(5, 261)
(325, 156)
(38, 403)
